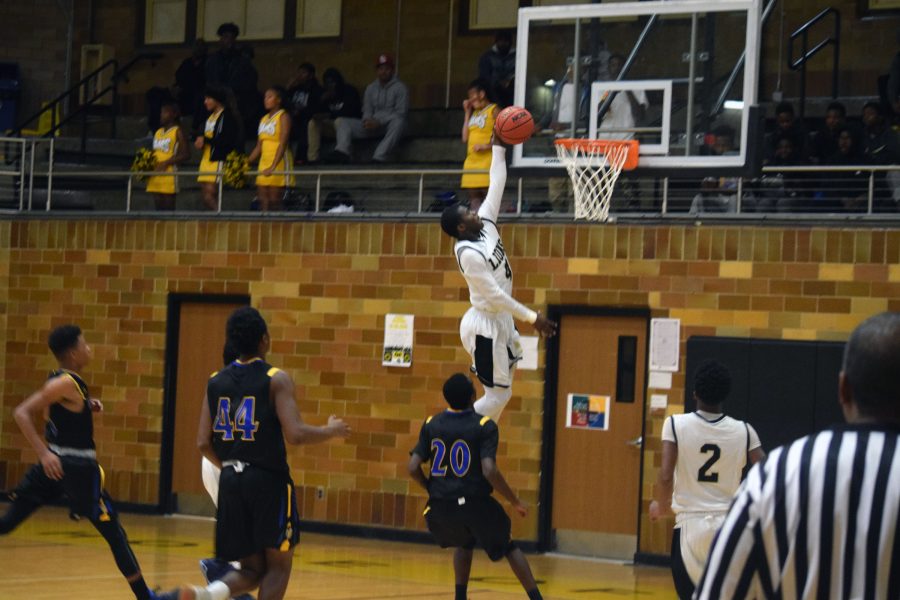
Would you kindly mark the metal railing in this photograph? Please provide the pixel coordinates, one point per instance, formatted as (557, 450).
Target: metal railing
(819, 192)
(799, 64)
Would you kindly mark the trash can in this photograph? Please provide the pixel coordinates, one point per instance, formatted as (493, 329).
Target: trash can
(10, 94)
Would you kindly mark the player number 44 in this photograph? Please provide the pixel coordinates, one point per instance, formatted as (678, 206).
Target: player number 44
(244, 419)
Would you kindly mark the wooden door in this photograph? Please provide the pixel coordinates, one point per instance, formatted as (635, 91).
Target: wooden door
(201, 336)
(596, 482)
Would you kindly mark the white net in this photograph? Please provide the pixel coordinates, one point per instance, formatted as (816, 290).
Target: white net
(594, 169)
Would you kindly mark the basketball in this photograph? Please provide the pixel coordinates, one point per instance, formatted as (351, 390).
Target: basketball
(514, 125)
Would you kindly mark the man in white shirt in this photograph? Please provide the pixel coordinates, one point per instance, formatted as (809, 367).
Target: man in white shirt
(625, 110)
(704, 455)
(487, 330)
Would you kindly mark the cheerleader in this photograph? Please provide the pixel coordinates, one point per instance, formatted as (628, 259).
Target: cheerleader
(170, 148)
(220, 136)
(273, 151)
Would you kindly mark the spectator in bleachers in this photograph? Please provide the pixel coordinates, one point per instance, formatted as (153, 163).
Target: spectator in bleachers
(626, 109)
(339, 100)
(304, 95)
(844, 190)
(221, 134)
(273, 151)
(170, 148)
(882, 147)
(718, 194)
(385, 108)
(478, 127)
(788, 125)
(497, 66)
(785, 191)
(190, 81)
(824, 142)
(232, 67)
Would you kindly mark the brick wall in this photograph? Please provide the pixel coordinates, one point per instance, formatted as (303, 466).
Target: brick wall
(324, 288)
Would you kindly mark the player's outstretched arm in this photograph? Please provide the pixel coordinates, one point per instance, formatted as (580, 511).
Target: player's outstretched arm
(294, 429)
(414, 467)
(490, 208)
(55, 390)
(204, 434)
(498, 481)
(665, 481)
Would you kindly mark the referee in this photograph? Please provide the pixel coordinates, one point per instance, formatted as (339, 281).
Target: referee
(819, 519)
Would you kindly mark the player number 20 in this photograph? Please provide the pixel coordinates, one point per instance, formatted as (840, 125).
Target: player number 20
(460, 458)
(244, 419)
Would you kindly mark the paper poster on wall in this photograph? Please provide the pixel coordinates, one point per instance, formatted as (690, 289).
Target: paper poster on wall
(398, 340)
(587, 411)
(529, 360)
(664, 344)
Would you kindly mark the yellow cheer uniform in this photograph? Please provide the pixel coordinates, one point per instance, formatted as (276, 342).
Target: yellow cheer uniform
(269, 134)
(481, 126)
(207, 165)
(165, 146)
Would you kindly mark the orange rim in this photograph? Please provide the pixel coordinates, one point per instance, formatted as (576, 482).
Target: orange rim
(632, 156)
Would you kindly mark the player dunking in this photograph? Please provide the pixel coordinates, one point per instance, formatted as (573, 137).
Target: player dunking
(256, 516)
(487, 330)
(68, 461)
(706, 453)
(461, 447)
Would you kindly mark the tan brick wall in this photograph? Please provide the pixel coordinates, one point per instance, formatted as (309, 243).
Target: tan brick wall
(324, 288)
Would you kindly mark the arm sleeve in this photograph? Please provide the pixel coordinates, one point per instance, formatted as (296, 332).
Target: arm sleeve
(754, 438)
(490, 440)
(490, 208)
(733, 559)
(478, 275)
(423, 447)
(668, 431)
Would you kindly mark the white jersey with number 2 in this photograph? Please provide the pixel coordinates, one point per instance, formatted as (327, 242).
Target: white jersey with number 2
(712, 453)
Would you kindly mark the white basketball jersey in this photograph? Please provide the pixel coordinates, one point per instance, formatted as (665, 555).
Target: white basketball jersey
(712, 454)
(490, 247)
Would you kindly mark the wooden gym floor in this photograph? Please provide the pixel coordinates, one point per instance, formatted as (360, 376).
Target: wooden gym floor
(51, 557)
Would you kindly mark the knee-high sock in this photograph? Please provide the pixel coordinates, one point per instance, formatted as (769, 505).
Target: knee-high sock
(493, 402)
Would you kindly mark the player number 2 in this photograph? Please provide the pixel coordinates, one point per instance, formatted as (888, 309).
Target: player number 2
(704, 474)
(460, 458)
(244, 419)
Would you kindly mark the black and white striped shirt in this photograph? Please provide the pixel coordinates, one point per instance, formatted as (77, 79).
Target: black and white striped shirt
(817, 519)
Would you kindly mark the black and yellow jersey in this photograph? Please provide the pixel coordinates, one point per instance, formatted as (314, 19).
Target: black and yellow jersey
(66, 428)
(454, 442)
(245, 423)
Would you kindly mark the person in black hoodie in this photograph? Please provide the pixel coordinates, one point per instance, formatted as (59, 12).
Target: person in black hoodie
(303, 99)
(221, 135)
(339, 100)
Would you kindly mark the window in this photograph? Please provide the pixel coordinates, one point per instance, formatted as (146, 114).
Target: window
(258, 20)
(493, 14)
(318, 18)
(164, 21)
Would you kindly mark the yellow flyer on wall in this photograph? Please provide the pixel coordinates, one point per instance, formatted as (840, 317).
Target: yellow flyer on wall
(398, 340)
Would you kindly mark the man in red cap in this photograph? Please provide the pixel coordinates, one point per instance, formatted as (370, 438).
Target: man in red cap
(385, 105)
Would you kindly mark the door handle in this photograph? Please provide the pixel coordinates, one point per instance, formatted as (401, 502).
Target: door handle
(636, 442)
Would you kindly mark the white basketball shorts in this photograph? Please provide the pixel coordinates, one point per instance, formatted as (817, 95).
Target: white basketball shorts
(491, 339)
(697, 534)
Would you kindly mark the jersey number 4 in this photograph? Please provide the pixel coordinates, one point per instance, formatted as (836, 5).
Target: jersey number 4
(460, 458)
(704, 474)
(244, 419)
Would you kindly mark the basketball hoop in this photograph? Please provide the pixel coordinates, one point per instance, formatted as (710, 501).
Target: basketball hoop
(595, 166)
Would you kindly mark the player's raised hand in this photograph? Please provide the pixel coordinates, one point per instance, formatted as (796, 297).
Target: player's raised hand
(337, 427)
(96, 405)
(545, 326)
(521, 508)
(52, 465)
